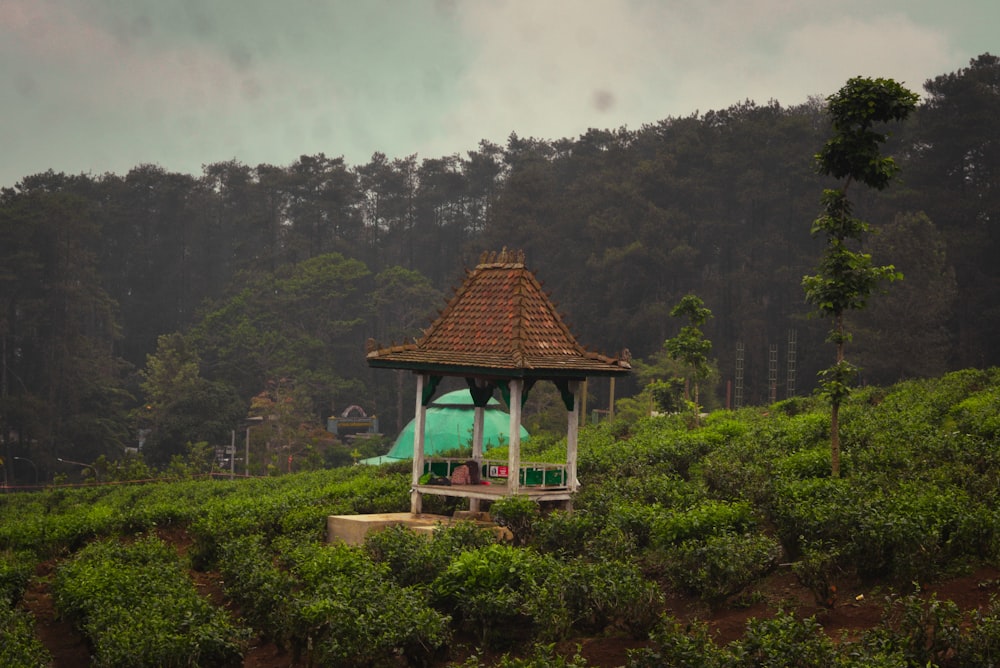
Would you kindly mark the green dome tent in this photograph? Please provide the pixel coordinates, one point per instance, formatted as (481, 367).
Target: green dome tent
(449, 427)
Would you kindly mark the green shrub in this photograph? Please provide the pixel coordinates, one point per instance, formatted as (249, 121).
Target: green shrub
(414, 559)
(979, 415)
(818, 569)
(610, 593)
(679, 646)
(811, 463)
(505, 594)
(680, 451)
(921, 632)
(261, 590)
(517, 513)
(908, 535)
(721, 565)
(19, 646)
(654, 487)
(784, 641)
(404, 552)
(707, 518)
(634, 520)
(16, 569)
(542, 656)
(733, 474)
(564, 533)
(350, 612)
(979, 646)
(814, 510)
(137, 607)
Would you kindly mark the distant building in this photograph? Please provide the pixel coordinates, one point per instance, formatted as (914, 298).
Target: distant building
(352, 421)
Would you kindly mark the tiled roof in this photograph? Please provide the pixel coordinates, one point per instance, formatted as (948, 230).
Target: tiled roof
(499, 321)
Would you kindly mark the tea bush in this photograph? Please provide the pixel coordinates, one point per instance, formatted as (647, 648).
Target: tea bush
(610, 593)
(682, 645)
(737, 472)
(564, 534)
(979, 415)
(808, 463)
(504, 593)
(19, 646)
(979, 645)
(328, 602)
(16, 569)
(136, 605)
(818, 569)
(920, 632)
(814, 510)
(784, 641)
(518, 514)
(910, 534)
(685, 503)
(707, 518)
(262, 591)
(293, 504)
(542, 656)
(416, 559)
(350, 612)
(721, 565)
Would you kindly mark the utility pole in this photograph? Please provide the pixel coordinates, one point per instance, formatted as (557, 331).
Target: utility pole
(738, 399)
(790, 363)
(772, 372)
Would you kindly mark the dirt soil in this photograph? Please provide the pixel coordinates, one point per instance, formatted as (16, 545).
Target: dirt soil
(855, 610)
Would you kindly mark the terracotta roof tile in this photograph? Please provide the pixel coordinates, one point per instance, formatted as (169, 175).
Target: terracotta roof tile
(499, 320)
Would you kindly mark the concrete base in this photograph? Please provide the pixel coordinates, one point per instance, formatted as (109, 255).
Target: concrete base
(352, 529)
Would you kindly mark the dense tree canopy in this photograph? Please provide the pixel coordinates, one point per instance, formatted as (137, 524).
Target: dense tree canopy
(277, 272)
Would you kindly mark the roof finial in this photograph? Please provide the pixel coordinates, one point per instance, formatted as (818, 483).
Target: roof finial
(504, 256)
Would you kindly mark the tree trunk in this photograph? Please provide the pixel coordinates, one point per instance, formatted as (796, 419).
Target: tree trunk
(835, 406)
(835, 440)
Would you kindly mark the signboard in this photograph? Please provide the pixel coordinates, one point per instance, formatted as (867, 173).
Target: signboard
(498, 471)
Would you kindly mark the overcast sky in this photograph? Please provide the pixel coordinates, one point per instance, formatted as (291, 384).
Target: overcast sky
(99, 86)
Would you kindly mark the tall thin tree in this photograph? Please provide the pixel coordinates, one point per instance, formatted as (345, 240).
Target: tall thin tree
(690, 346)
(846, 277)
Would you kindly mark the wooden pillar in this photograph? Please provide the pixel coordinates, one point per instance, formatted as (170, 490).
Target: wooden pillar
(514, 451)
(611, 401)
(419, 422)
(572, 436)
(478, 421)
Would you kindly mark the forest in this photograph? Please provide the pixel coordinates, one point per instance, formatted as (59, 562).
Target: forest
(164, 308)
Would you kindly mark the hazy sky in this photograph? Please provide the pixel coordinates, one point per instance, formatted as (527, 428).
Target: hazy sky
(101, 86)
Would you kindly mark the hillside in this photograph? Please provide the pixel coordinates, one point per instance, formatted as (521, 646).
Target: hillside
(725, 542)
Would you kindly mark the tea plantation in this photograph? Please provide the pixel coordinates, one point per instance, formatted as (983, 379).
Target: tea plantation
(669, 510)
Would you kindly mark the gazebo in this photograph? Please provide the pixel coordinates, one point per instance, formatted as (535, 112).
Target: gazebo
(499, 331)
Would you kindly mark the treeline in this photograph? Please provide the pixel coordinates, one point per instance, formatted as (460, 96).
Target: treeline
(276, 275)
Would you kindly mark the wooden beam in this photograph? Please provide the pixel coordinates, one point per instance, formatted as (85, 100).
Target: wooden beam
(419, 424)
(514, 451)
(478, 420)
(572, 437)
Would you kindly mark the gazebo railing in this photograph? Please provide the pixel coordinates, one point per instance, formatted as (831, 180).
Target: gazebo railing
(496, 471)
